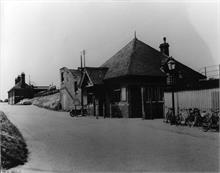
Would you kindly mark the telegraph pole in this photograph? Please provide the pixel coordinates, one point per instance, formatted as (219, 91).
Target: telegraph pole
(84, 58)
(81, 85)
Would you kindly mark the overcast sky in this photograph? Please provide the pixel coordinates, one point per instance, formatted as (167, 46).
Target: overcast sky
(40, 37)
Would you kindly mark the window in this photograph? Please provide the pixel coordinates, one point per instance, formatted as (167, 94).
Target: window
(62, 77)
(123, 94)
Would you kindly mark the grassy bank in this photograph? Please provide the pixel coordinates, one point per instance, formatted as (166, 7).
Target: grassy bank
(14, 150)
(49, 102)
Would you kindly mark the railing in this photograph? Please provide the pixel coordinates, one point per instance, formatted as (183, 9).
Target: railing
(211, 72)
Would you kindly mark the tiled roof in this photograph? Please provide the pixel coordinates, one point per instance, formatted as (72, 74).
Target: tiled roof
(139, 59)
(136, 58)
(187, 72)
(96, 74)
(75, 72)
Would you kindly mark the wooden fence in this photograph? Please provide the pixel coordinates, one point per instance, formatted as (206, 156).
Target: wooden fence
(205, 99)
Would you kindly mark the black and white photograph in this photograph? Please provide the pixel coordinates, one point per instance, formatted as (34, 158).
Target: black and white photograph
(107, 86)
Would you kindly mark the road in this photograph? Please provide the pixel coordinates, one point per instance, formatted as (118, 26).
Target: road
(60, 143)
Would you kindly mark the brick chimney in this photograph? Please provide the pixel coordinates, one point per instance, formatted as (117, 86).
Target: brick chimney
(22, 78)
(17, 79)
(164, 47)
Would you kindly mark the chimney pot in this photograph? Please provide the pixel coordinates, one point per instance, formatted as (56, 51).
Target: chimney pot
(22, 78)
(164, 47)
(16, 80)
(164, 39)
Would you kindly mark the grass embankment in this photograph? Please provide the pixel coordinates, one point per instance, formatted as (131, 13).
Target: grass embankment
(14, 150)
(50, 101)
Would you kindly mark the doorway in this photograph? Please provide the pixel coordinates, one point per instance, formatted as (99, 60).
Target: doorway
(135, 101)
(154, 102)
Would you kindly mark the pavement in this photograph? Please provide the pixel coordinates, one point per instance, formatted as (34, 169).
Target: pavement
(59, 143)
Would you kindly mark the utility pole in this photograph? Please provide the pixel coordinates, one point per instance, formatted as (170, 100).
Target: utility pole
(81, 85)
(205, 71)
(84, 57)
(81, 61)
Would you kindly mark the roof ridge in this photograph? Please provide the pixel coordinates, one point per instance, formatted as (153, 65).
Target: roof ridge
(135, 58)
(73, 70)
(185, 66)
(130, 42)
(96, 67)
(132, 53)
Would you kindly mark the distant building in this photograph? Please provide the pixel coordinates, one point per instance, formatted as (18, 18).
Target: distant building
(21, 90)
(70, 93)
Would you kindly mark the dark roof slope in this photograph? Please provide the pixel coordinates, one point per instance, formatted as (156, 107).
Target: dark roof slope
(185, 71)
(138, 58)
(119, 64)
(19, 85)
(189, 73)
(75, 72)
(96, 74)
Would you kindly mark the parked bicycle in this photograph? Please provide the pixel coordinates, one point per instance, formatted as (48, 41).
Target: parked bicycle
(170, 118)
(73, 113)
(76, 112)
(211, 121)
(193, 118)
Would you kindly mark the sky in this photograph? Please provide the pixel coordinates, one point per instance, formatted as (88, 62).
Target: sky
(40, 37)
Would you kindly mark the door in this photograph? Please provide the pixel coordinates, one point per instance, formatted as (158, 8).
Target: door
(101, 107)
(135, 100)
(154, 102)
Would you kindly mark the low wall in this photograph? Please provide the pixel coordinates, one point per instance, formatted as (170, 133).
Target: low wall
(90, 109)
(120, 110)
